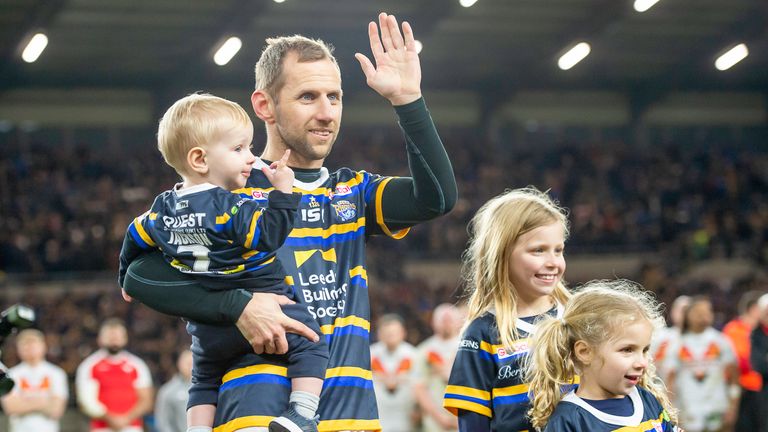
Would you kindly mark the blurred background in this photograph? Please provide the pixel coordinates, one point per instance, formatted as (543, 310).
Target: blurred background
(647, 120)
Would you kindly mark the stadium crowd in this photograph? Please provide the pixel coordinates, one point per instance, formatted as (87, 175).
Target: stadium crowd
(66, 207)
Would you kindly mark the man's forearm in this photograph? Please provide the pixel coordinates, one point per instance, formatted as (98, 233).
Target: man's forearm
(431, 190)
(152, 281)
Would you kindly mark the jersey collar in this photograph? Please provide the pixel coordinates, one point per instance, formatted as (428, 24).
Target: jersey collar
(259, 164)
(633, 420)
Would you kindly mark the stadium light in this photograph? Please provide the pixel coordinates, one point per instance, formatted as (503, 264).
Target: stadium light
(279, 1)
(227, 50)
(419, 46)
(34, 48)
(644, 5)
(574, 55)
(731, 57)
(467, 3)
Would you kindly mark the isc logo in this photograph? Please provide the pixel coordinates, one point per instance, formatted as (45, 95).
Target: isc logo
(312, 214)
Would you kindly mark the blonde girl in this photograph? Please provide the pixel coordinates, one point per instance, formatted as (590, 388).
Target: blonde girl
(604, 336)
(513, 268)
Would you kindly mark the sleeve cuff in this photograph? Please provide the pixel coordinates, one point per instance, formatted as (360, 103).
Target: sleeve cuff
(414, 112)
(234, 304)
(280, 200)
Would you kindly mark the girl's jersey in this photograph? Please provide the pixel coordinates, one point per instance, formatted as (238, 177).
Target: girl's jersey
(574, 414)
(488, 378)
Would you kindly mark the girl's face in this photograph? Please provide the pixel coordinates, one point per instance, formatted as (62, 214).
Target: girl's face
(615, 368)
(536, 267)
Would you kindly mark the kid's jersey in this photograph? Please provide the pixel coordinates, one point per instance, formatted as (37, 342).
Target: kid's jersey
(324, 257)
(205, 230)
(488, 378)
(574, 414)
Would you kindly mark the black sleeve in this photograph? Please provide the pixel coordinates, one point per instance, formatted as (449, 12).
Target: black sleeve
(473, 422)
(277, 220)
(152, 281)
(431, 190)
(758, 354)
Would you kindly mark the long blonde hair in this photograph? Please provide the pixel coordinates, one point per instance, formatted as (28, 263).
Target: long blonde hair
(494, 231)
(594, 315)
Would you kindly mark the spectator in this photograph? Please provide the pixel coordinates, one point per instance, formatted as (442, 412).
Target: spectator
(434, 360)
(114, 387)
(392, 365)
(702, 372)
(759, 355)
(171, 405)
(738, 331)
(40, 395)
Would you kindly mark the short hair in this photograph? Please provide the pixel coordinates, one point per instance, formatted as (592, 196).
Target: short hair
(30, 333)
(269, 68)
(391, 318)
(195, 121)
(748, 300)
(111, 323)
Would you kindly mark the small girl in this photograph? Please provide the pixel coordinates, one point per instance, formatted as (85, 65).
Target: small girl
(514, 267)
(603, 336)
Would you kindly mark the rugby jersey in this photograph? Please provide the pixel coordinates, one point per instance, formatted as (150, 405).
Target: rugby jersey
(574, 414)
(205, 230)
(324, 257)
(488, 378)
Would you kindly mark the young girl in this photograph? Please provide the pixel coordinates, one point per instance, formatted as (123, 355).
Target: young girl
(702, 372)
(603, 336)
(514, 267)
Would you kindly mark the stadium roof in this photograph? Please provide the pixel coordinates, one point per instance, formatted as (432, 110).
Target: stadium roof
(495, 47)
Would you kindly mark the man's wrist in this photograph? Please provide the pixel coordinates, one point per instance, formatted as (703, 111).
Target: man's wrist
(234, 304)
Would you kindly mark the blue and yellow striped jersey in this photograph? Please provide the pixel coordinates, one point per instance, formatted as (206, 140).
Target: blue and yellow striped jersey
(488, 378)
(324, 257)
(207, 231)
(575, 414)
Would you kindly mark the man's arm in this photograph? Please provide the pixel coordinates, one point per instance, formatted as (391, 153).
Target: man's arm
(431, 190)
(152, 281)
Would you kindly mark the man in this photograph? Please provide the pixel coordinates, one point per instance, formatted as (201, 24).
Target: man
(434, 360)
(758, 357)
(298, 96)
(171, 405)
(114, 387)
(392, 365)
(738, 331)
(40, 395)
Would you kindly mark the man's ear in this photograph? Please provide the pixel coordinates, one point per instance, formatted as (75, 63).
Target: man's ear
(583, 352)
(263, 106)
(196, 160)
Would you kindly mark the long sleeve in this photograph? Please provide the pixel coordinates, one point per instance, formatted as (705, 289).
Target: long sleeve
(431, 190)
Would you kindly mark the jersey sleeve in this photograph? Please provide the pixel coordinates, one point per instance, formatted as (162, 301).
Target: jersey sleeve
(60, 386)
(143, 376)
(261, 228)
(376, 223)
(137, 241)
(473, 373)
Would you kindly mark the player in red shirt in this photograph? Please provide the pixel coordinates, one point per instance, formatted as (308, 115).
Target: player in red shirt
(114, 387)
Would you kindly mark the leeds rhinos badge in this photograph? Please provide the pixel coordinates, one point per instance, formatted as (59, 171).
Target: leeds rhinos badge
(345, 210)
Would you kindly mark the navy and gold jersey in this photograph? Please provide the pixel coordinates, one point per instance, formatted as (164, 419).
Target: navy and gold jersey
(488, 378)
(207, 231)
(324, 257)
(574, 414)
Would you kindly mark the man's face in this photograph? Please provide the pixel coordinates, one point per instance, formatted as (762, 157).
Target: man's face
(31, 349)
(113, 338)
(308, 109)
